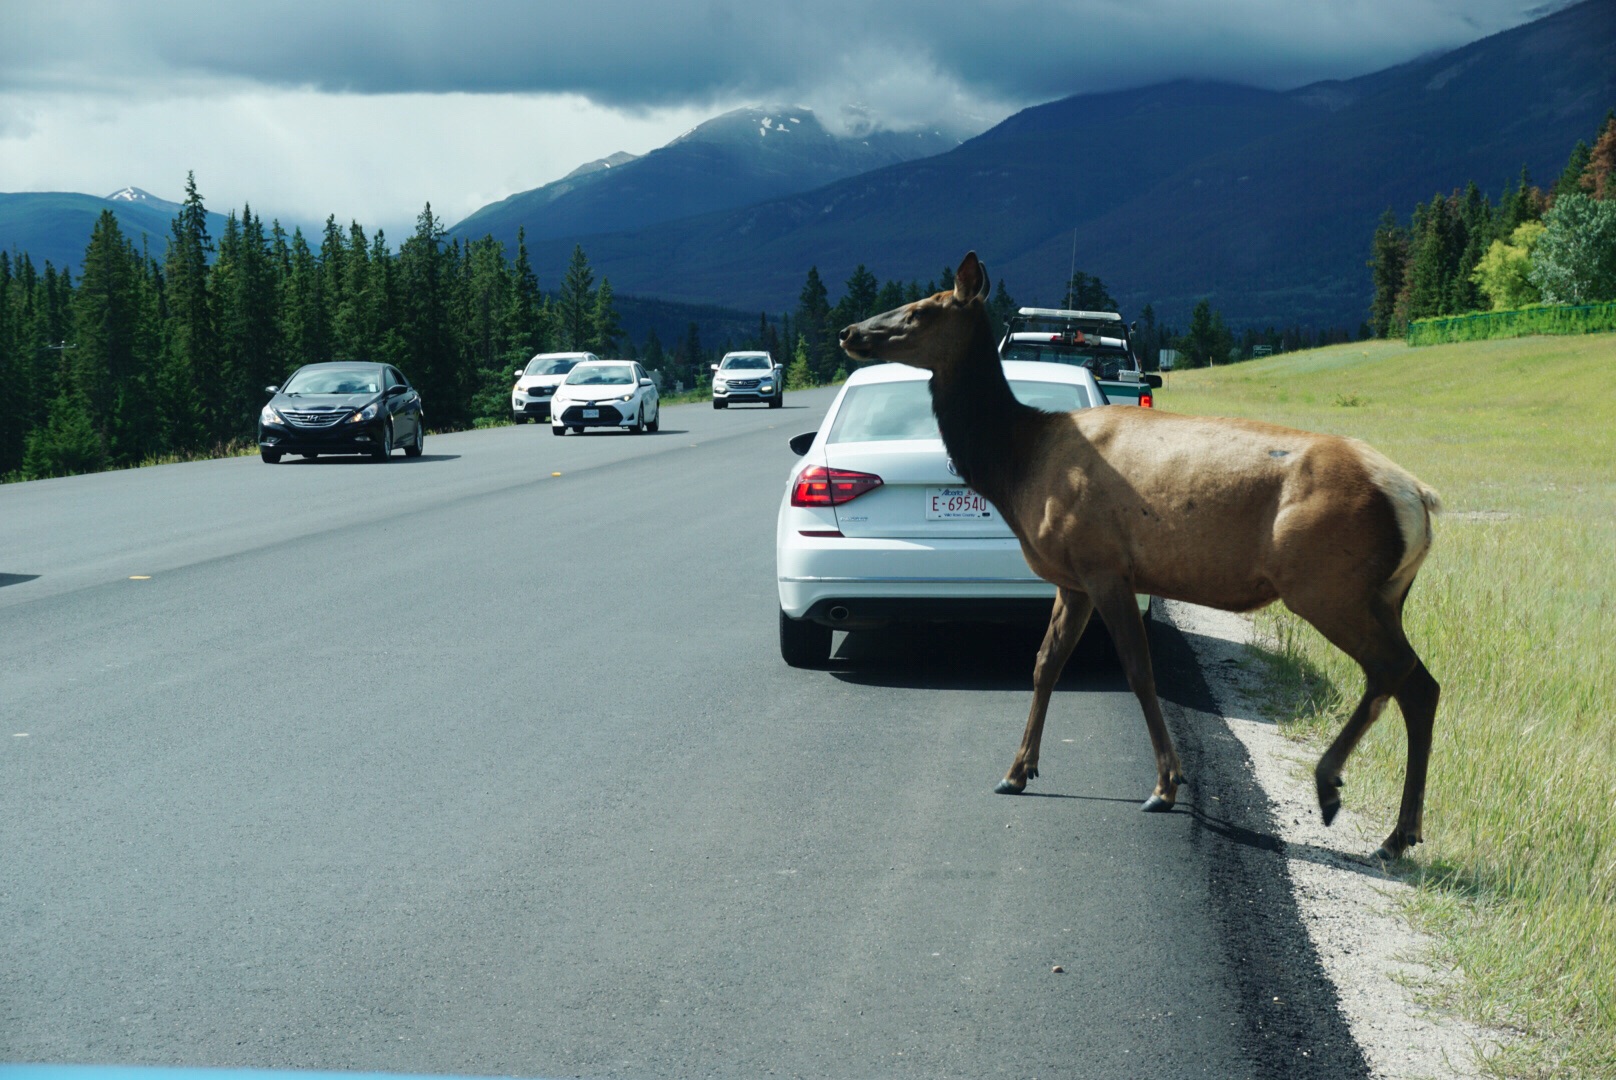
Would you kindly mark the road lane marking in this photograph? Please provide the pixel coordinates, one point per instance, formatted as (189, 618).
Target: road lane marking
(139, 577)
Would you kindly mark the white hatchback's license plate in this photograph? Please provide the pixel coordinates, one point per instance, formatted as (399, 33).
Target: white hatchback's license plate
(955, 504)
(591, 414)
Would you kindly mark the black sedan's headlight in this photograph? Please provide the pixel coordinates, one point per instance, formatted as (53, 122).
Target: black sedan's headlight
(369, 412)
(270, 418)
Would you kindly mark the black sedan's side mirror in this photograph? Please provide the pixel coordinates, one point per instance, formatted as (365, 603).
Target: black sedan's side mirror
(397, 388)
(801, 443)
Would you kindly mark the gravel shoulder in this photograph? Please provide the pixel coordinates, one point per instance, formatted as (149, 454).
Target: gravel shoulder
(1350, 906)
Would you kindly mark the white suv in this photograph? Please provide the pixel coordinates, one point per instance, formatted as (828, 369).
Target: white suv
(748, 376)
(536, 384)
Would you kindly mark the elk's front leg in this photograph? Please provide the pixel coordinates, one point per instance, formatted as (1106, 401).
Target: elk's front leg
(1120, 611)
(1066, 623)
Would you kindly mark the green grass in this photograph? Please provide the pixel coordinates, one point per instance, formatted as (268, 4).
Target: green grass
(1515, 614)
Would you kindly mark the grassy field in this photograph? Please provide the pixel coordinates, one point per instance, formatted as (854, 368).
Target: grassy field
(1515, 614)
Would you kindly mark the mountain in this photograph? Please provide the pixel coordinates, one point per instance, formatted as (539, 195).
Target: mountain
(739, 158)
(1264, 201)
(55, 226)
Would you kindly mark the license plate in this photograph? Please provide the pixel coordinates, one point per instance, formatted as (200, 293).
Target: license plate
(591, 414)
(956, 504)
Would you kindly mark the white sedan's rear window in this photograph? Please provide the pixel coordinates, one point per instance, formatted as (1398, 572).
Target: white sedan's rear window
(879, 412)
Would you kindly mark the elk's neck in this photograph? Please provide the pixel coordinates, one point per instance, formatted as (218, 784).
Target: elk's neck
(980, 418)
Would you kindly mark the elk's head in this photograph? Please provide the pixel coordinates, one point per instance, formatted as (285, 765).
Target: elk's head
(929, 332)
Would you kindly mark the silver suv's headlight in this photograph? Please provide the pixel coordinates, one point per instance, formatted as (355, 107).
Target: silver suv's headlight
(367, 413)
(720, 384)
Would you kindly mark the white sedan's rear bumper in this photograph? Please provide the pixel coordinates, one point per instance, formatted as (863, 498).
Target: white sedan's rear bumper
(925, 577)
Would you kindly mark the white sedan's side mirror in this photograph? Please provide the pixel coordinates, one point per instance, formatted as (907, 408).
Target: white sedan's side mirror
(518, 373)
(645, 382)
(713, 366)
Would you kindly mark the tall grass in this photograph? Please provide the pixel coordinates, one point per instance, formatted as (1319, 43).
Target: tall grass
(1515, 614)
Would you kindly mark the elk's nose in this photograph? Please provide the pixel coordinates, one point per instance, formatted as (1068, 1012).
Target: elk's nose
(847, 332)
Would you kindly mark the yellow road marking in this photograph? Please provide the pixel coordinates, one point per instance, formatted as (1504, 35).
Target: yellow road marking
(139, 577)
(555, 474)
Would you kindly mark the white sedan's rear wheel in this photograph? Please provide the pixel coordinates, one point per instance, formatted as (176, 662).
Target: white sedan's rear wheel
(803, 644)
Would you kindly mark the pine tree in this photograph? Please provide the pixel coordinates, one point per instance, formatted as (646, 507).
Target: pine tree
(606, 329)
(1596, 178)
(1388, 262)
(109, 374)
(858, 302)
(575, 306)
(1086, 293)
(1570, 181)
(432, 356)
(529, 320)
(813, 324)
(192, 387)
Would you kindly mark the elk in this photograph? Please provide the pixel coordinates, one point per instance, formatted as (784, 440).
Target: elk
(1227, 513)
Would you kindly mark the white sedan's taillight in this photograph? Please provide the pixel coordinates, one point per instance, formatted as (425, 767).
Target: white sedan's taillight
(819, 486)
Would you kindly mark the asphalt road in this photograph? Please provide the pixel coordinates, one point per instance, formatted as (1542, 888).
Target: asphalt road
(456, 765)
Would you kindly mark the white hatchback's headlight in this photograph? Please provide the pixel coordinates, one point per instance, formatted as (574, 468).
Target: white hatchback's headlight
(367, 413)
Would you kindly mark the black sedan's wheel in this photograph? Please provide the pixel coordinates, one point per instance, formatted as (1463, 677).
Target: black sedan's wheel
(803, 644)
(315, 456)
(385, 450)
(416, 448)
(270, 456)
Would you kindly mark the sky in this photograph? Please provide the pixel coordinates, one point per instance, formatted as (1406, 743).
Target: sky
(369, 110)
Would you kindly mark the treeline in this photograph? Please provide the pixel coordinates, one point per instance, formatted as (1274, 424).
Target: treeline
(1461, 252)
(146, 357)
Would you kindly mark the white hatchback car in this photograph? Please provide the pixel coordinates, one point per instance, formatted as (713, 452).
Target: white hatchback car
(606, 393)
(875, 526)
(536, 383)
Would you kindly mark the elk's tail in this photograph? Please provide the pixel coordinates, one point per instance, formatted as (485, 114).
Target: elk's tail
(1414, 504)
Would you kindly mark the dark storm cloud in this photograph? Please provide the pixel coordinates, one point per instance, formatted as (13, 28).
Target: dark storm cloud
(658, 53)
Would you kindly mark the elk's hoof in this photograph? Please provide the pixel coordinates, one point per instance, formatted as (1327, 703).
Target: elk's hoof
(1330, 810)
(1156, 805)
(1007, 788)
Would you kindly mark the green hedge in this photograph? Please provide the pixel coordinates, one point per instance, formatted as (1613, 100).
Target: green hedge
(1543, 319)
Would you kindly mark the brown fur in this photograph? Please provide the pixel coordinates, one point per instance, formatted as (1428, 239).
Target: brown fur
(1233, 514)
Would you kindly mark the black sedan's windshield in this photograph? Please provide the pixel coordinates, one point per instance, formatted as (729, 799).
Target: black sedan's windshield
(325, 380)
(616, 375)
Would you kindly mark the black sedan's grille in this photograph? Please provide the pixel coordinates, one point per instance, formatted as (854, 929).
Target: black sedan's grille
(608, 415)
(743, 384)
(315, 419)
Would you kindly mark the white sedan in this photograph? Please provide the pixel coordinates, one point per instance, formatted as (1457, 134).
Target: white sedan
(606, 393)
(876, 527)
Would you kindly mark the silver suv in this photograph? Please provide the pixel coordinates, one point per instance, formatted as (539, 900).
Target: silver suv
(748, 376)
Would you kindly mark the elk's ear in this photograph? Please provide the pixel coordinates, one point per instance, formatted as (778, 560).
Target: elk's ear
(970, 280)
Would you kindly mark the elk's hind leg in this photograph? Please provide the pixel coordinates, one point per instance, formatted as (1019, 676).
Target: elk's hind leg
(1372, 634)
(1066, 622)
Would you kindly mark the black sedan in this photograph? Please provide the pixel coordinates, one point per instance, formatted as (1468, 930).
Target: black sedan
(346, 407)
